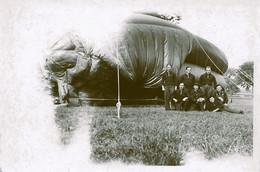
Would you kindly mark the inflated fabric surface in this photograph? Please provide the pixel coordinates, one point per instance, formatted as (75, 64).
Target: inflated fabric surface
(147, 44)
(142, 48)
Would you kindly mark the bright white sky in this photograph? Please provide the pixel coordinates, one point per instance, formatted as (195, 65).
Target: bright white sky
(28, 27)
(230, 25)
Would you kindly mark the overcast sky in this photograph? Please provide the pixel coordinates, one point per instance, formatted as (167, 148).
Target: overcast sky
(27, 28)
(230, 25)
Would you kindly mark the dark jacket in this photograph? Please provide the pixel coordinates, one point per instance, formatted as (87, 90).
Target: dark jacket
(188, 81)
(214, 105)
(194, 95)
(168, 79)
(208, 79)
(221, 94)
(177, 94)
(218, 103)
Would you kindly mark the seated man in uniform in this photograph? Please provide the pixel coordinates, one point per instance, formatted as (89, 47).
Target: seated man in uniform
(197, 98)
(180, 98)
(213, 105)
(218, 101)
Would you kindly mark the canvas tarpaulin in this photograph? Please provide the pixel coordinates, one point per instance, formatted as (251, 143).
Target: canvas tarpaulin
(67, 60)
(142, 48)
(147, 44)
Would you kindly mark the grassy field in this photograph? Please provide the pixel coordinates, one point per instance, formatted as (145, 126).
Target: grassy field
(152, 136)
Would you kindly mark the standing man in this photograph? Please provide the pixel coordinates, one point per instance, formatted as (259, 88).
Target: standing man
(180, 98)
(207, 82)
(168, 83)
(188, 79)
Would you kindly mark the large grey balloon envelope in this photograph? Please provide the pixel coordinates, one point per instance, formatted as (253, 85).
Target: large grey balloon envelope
(147, 44)
(143, 47)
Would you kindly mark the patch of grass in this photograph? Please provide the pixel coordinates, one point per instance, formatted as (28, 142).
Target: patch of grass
(134, 140)
(152, 136)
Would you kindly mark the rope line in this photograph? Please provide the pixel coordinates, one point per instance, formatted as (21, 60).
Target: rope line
(118, 85)
(226, 63)
(232, 81)
(107, 99)
(245, 74)
(215, 63)
(242, 79)
(207, 55)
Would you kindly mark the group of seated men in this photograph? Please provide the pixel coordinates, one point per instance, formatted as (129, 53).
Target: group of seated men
(191, 95)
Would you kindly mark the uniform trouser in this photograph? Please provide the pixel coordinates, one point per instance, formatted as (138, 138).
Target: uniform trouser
(181, 106)
(197, 106)
(207, 90)
(231, 110)
(167, 96)
(189, 88)
(211, 106)
(223, 107)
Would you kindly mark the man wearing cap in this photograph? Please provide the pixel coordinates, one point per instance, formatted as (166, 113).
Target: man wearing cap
(218, 101)
(180, 98)
(168, 83)
(207, 82)
(197, 98)
(188, 79)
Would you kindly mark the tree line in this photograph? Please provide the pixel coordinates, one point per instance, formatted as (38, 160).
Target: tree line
(242, 76)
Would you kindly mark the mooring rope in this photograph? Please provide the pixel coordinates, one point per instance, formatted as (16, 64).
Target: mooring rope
(118, 85)
(216, 65)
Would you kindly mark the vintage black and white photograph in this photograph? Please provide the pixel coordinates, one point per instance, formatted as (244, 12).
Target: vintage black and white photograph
(129, 85)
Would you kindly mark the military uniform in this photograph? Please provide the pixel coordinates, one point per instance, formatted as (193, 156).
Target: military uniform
(168, 81)
(194, 102)
(188, 79)
(214, 106)
(207, 83)
(221, 101)
(179, 95)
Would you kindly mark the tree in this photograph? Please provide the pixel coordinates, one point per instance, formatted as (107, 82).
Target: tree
(245, 75)
(231, 83)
